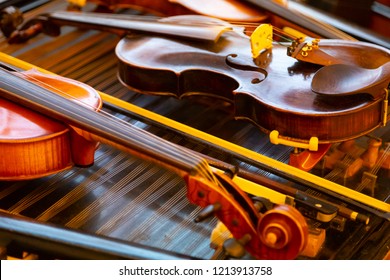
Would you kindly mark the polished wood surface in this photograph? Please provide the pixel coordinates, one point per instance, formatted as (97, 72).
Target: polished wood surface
(33, 145)
(275, 93)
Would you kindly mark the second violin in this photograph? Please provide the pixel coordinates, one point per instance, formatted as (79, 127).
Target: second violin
(274, 91)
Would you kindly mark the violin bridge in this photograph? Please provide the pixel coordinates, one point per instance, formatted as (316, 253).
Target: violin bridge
(77, 3)
(261, 39)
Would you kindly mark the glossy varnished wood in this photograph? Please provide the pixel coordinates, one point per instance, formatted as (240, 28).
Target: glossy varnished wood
(274, 92)
(33, 145)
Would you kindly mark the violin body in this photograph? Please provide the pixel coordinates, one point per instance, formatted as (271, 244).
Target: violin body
(33, 145)
(27, 144)
(274, 92)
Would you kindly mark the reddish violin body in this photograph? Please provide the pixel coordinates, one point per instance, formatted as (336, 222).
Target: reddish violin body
(33, 145)
(274, 92)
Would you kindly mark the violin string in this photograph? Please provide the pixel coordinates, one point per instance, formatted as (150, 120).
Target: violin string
(277, 31)
(212, 22)
(125, 185)
(382, 159)
(84, 188)
(208, 21)
(175, 204)
(374, 170)
(200, 165)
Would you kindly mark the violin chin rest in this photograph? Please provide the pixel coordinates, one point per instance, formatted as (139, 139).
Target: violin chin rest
(345, 79)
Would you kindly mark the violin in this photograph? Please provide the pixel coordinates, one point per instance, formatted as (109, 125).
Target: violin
(282, 94)
(279, 233)
(274, 91)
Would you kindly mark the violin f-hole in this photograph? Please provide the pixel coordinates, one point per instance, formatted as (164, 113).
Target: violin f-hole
(246, 64)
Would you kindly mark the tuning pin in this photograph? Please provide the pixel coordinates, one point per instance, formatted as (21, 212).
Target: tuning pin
(10, 18)
(231, 172)
(207, 212)
(262, 204)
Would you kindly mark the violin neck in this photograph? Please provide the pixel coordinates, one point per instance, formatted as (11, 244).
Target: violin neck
(99, 126)
(124, 24)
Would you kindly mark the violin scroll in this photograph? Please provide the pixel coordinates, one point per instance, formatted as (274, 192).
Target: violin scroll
(284, 229)
(279, 233)
(32, 28)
